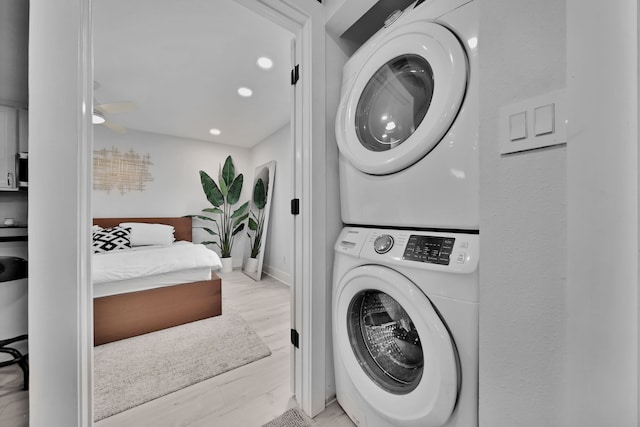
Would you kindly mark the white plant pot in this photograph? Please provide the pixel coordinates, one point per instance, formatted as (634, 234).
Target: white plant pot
(227, 264)
(251, 265)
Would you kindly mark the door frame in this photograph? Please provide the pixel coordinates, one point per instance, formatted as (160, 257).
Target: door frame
(61, 316)
(308, 315)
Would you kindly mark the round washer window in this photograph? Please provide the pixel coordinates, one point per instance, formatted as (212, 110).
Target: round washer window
(394, 102)
(385, 341)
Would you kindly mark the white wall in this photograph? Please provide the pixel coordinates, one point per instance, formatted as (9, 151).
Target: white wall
(523, 300)
(175, 189)
(60, 333)
(602, 82)
(278, 246)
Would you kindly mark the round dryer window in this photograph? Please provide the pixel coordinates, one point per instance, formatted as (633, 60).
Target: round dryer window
(394, 102)
(404, 98)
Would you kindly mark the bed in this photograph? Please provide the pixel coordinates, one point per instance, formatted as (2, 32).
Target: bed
(126, 312)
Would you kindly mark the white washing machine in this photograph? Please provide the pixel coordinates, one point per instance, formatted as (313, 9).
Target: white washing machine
(407, 122)
(405, 327)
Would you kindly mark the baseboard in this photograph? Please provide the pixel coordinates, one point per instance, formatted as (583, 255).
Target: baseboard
(279, 275)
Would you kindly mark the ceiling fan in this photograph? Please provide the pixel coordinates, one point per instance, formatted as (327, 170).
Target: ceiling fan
(101, 111)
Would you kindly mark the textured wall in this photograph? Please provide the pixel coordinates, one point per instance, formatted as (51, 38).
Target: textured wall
(522, 222)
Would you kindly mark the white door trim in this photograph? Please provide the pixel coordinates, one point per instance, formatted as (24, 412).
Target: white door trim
(306, 21)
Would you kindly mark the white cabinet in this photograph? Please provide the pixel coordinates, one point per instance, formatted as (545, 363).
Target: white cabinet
(8, 148)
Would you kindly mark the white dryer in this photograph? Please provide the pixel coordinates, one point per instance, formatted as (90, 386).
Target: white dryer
(405, 327)
(407, 122)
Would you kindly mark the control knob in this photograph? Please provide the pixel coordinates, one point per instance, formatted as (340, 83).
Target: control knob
(383, 244)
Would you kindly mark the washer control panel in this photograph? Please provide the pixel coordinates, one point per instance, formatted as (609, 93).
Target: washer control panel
(432, 249)
(425, 250)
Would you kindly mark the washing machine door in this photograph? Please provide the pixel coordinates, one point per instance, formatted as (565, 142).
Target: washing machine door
(395, 348)
(404, 98)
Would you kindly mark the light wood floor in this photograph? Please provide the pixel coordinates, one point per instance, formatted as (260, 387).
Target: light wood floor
(247, 396)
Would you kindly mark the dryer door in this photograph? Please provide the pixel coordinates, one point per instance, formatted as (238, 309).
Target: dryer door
(403, 100)
(395, 347)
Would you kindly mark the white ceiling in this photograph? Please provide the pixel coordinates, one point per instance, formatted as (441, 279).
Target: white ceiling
(182, 61)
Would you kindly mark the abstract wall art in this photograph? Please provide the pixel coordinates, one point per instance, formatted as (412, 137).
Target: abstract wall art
(122, 171)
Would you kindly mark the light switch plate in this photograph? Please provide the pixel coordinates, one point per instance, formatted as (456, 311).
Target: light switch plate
(518, 126)
(544, 120)
(546, 123)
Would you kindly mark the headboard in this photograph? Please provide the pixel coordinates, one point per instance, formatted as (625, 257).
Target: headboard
(182, 224)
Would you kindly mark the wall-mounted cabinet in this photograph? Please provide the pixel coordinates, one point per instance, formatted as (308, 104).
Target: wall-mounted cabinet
(8, 147)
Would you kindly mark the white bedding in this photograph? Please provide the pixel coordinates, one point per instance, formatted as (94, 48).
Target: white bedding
(150, 261)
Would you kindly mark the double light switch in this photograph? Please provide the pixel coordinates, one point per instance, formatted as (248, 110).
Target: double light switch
(533, 123)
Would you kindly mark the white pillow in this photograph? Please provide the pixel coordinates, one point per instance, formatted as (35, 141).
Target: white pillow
(143, 234)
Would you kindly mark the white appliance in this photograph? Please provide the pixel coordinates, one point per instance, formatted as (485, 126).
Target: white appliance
(407, 122)
(405, 327)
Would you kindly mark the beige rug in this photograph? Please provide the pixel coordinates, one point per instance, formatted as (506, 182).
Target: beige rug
(294, 417)
(130, 372)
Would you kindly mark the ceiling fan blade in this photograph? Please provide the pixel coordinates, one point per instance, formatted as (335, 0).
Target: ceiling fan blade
(116, 107)
(114, 127)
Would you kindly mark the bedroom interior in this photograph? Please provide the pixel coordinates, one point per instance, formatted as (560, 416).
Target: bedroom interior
(174, 151)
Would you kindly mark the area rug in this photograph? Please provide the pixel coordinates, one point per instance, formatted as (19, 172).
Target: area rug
(130, 372)
(291, 418)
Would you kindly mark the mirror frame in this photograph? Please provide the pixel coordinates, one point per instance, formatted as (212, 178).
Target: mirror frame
(268, 171)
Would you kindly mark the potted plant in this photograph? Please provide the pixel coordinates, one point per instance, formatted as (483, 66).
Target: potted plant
(223, 197)
(256, 224)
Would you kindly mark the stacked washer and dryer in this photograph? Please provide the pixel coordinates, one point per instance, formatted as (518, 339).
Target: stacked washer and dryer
(405, 294)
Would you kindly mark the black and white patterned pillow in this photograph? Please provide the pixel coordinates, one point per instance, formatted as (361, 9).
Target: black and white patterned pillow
(111, 239)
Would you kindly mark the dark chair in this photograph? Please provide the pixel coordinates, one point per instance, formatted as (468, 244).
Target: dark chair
(13, 268)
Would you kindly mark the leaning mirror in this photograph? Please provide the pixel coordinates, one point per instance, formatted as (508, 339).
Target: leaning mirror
(260, 207)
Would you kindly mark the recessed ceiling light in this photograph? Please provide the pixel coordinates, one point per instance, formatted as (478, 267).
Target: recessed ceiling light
(265, 63)
(245, 91)
(214, 131)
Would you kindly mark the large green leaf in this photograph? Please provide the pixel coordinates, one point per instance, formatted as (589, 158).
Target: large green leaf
(234, 191)
(238, 212)
(223, 187)
(208, 230)
(211, 190)
(240, 219)
(252, 224)
(213, 210)
(206, 218)
(238, 229)
(260, 194)
(228, 172)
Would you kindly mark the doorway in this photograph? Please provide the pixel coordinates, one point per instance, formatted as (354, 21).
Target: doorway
(60, 75)
(126, 72)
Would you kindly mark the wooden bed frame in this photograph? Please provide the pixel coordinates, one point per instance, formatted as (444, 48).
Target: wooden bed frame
(127, 315)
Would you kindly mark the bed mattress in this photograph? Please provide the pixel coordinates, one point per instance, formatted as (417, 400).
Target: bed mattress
(144, 268)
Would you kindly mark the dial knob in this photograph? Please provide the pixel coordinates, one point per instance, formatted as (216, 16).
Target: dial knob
(383, 244)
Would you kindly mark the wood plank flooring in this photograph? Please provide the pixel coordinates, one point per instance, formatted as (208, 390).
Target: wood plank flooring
(247, 396)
